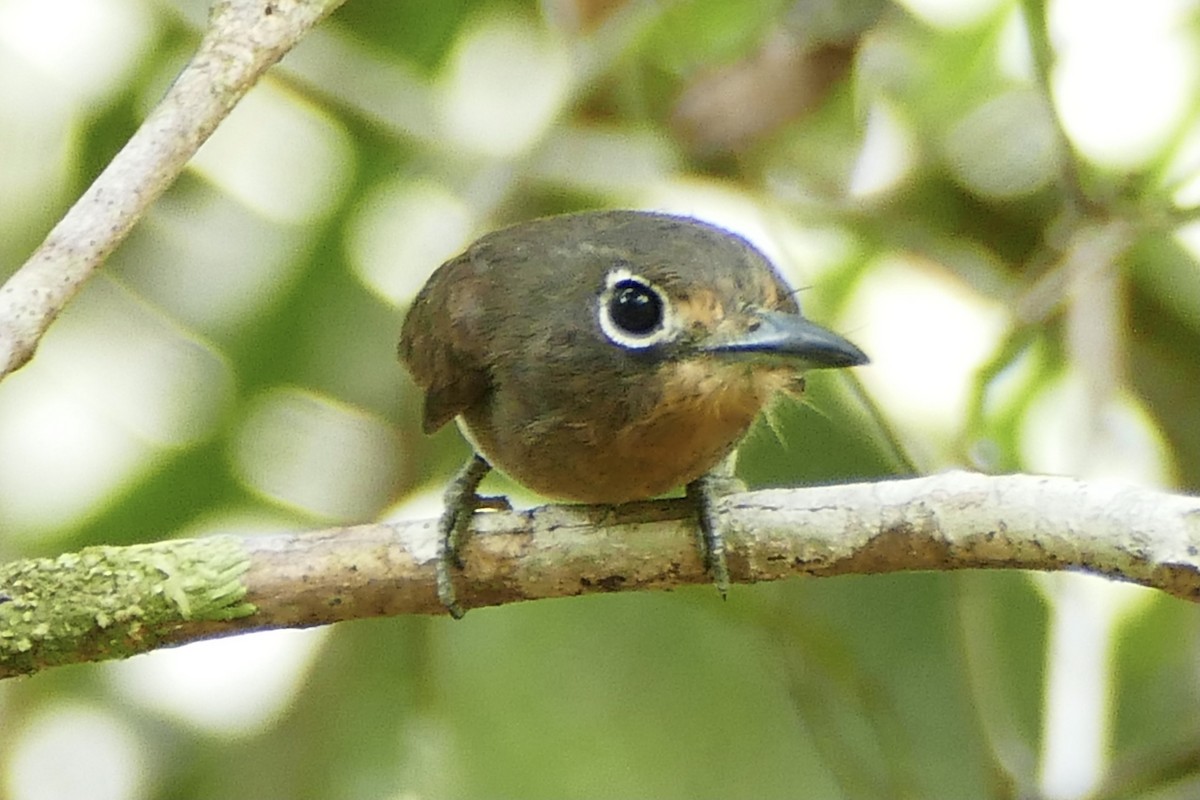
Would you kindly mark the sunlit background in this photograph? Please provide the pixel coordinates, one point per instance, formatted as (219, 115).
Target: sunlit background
(994, 199)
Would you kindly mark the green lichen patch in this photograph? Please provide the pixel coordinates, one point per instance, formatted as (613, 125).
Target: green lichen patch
(113, 602)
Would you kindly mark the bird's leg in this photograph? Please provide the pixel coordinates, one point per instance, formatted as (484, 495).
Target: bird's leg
(705, 492)
(461, 501)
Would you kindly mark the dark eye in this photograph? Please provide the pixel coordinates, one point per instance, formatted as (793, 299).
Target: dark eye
(635, 308)
(634, 313)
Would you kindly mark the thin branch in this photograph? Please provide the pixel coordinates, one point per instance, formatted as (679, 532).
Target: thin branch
(1070, 179)
(243, 39)
(902, 461)
(112, 602)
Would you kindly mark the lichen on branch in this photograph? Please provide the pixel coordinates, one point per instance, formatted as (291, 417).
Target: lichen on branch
(113, 602)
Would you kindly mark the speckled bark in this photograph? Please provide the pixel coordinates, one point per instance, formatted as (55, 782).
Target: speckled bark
(113, 602)
(950, 521)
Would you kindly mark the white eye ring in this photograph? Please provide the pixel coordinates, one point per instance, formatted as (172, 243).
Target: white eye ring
(651, 318)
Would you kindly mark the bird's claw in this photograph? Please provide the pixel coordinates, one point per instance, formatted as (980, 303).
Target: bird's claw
(461, 502)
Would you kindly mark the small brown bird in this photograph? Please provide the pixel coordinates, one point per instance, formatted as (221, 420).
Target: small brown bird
(606, 357)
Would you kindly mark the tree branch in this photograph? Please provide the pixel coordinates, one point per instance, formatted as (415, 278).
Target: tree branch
(112, 602)
(243, 39)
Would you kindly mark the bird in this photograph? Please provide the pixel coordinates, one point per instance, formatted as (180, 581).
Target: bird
(606, 357)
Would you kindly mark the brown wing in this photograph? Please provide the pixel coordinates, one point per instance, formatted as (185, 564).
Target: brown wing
(442, 341)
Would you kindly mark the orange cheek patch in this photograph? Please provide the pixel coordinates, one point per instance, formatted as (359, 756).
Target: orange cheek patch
(770, 290)
(702, 308)
(708, 388)
(706, 380)
(705, 406)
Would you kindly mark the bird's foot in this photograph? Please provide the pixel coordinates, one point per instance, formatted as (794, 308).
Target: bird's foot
(461, 503)
(705, 494)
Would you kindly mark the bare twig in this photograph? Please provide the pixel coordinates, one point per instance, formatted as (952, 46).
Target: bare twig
(243, 39)
(117, 601)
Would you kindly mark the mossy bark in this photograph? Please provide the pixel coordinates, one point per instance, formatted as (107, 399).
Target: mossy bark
(114, 602)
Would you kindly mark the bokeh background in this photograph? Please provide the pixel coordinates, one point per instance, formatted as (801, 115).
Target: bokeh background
(995, 199)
